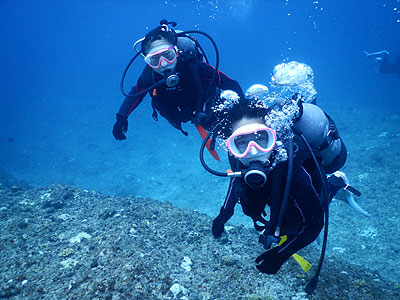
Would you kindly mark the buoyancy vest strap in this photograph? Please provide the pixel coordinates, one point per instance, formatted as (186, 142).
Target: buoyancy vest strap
(199, 87)
(282, 209)
(275, 203)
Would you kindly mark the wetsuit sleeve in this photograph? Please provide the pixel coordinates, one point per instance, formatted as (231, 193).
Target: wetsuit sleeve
(227, 210)
(275, 199)
(304, 208)
(130, 103)
(309, 209)
(233, 194)
(221, 80)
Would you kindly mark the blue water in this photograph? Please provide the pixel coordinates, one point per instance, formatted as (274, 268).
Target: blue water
(61, 64)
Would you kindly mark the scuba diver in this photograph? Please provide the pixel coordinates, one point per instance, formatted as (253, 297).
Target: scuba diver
(177, 79)
(386, 66)
(254, 149)
(273, 165)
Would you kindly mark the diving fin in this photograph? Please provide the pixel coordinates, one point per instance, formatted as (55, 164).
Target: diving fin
(347, 194)
(304, 264)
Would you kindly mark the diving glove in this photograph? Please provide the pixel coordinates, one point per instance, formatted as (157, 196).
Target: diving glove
(120, 127)
(203, 119)
(270, 262)
(217, 228)
(199, 118)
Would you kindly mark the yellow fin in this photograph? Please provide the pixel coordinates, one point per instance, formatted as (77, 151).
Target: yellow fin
(305, 265)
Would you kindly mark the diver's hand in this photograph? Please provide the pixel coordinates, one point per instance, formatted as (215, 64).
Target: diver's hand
(204, 119)
(120, 127)
(199, 118)
(217, 228)
(270, 262)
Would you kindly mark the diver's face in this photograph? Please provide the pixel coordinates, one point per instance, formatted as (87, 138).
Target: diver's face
(161, 56)
(260, 138)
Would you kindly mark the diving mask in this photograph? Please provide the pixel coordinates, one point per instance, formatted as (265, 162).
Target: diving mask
(251, 140)
(161, 56)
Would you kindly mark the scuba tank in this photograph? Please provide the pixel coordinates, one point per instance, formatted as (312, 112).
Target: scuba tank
(321, 133)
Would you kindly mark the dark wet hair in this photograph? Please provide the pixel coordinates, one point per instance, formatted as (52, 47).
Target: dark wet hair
(245, 108)
(158, 33)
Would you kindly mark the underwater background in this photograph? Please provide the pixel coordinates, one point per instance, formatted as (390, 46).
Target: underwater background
(62, 61)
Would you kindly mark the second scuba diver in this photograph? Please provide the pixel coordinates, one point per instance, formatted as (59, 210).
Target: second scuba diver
(264, 165)
(273, 164)
(177, 79)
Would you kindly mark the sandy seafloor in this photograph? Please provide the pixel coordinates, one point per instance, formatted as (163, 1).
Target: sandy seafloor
(60, 242)
(163, 164)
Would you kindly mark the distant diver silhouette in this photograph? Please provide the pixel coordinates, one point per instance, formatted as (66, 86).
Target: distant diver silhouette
(386, 66)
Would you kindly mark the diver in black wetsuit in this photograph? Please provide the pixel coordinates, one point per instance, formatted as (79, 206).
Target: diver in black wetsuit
(187, 87)
(386, 66)
(255, 152)
(280, 151)
(303, 219)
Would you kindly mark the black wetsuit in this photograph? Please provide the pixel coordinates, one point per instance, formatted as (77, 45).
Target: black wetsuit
(303, 219)
(179, 104)
(388, 67)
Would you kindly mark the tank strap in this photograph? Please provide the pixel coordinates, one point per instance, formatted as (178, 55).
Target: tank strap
(186, 56)
(199, 87)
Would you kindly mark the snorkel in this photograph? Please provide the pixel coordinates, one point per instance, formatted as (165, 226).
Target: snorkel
(171, 79)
